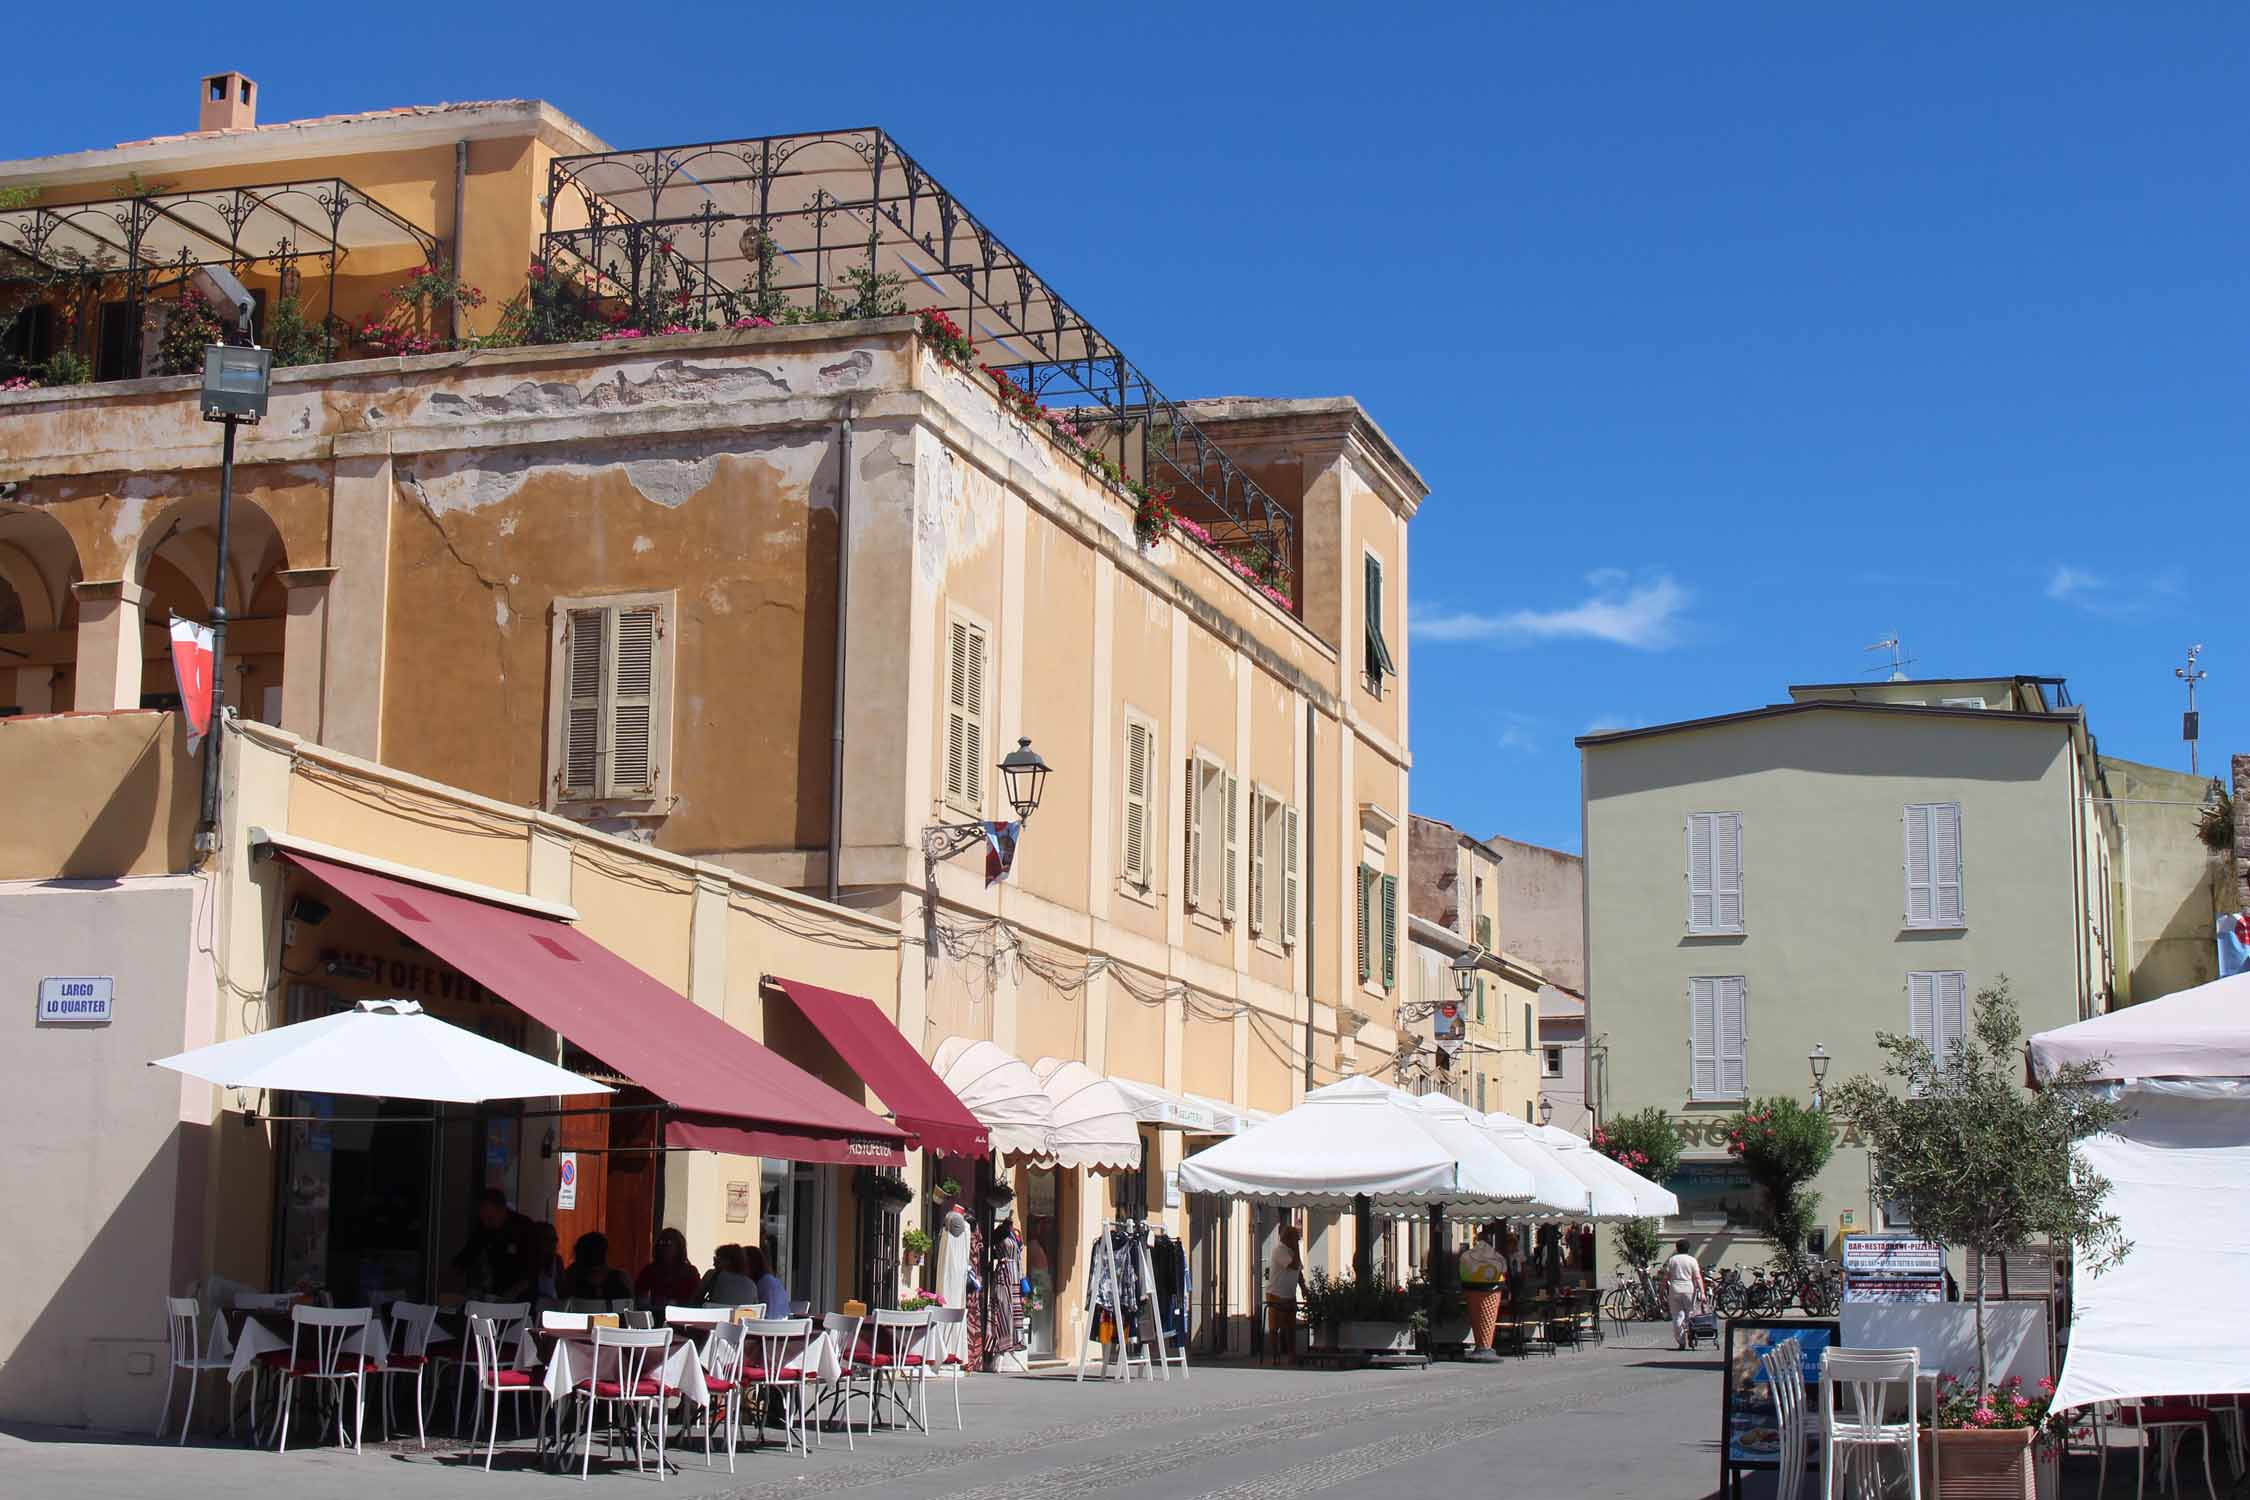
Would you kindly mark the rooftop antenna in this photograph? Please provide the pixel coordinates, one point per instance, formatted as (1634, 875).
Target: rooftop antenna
(2191, 723)
(1899, 661)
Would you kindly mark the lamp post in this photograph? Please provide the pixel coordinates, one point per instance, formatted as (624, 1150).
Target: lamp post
(1817, 1059)
(1546, 1111)
(1024, 775)
(237, 377)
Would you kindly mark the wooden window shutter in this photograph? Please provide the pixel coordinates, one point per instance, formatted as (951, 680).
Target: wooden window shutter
(1921, 1010)
(1230, 851)
(1390, 932)
(1726, 871)
(1702, 901)
(1946, 908)
(1289, 882)
(585, 655)
(1480, 999)
(1260, 886)
(1484, 933)
(1734, 1036)
(1378, 650)
(1530, 1031)
(633, 702)
(972, 755)
(1952, 1011)
(1703, 1039)
(964, 717)
(1920, 900)
(1194, 840)
(1366, 903)
(1138, 765)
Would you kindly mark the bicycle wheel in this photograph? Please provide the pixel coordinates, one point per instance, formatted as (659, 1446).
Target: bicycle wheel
(1618, 1306)
(1731, 1300)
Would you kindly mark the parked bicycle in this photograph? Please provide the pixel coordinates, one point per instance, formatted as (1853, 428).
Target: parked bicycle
(1632, 1300)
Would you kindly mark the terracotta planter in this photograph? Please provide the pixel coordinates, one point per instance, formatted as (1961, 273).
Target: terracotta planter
(1978, 1463)
(1484, 1312)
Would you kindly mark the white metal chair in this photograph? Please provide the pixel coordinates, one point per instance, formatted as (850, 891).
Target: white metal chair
(496, 1377)
(723, 1376)
(1879, 1385)
(844, 1329)
(628, 1372)
(508, 1318)
(185, 1336)
(552, 1321)
(783, 1369)
(327, 1362)
(1785, 1381)
(410, 1324)
(2160, 1425)
(895, 1357)
(800, 1309)
(945, 1357)
(697, 1317)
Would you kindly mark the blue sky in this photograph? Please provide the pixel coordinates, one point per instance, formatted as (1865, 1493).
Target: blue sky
(1730, 338)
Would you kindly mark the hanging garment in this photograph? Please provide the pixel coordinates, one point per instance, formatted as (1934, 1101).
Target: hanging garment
(1006, 1289)
(951, 1272)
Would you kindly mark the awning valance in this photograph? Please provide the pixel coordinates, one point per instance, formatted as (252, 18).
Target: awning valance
(726, 1091)
(875, 1049)
(1167, 1110)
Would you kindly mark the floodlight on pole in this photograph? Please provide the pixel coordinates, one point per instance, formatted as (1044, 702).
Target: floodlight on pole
(237, 378)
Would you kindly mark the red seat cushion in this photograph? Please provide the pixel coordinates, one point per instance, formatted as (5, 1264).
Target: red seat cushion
(275, 1359)
(751, 1374)
(405, 1361)
(611, 1388)
(717, 1383)
(507, 1378)
(2135, 1416)
(875, 1361)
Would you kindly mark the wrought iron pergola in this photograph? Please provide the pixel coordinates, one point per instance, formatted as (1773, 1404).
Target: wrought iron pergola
(148, 242)
(845, 223)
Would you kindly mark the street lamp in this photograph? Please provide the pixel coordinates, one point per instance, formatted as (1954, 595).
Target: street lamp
(1546, 1111)
(1818, 1060)
(1026, 776)
(236, 379)
(1464, 967)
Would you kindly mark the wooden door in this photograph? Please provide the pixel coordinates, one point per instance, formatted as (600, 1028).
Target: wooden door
(635, 1169)
(588, 1135)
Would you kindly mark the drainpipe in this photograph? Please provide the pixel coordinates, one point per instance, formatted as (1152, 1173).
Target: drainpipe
(843, 613)
(1310, 890)
(460, 191)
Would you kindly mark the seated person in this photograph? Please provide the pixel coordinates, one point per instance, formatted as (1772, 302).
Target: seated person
(589, 1277)
(671, 1278)
(770, 1290)
(729, 1284)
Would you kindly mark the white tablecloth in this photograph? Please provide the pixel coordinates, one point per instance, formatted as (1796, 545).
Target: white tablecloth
(572, 1360)
(258, 1339)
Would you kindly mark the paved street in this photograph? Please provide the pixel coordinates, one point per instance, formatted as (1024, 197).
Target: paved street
(1632, 1418)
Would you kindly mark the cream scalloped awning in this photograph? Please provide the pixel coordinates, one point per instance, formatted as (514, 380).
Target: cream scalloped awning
(1007, 1098)
(1094, 1124)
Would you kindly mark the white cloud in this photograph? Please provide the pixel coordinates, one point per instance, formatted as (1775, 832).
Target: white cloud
(2111, 597)
(1643, 615)
(1519, 732)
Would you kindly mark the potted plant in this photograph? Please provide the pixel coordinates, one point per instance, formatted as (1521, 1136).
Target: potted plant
(1973, 1159)
(892, 1192)
(1782, 1145)
(1001, 1194)
(1369, 1315)
(913, 1245)
(1979, 1446)
(949, 1190)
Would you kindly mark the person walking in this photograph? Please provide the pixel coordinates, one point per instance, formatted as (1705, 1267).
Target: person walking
(1285, 1277)
(1684, 1290)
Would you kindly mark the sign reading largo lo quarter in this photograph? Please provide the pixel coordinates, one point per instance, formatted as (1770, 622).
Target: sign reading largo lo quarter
(83, 1000)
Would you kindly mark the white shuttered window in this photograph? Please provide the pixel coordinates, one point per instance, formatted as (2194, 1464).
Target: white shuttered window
(1718, 1037)
(1937, 1009)
(965, 650)
(610, 732)
(1140, 800)
(1714, 872)
(1933, 865)
(1289, 881)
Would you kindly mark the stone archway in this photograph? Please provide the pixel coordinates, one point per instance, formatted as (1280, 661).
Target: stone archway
(175, 572)
(38, 615)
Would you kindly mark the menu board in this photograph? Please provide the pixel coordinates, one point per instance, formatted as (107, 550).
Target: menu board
(1893, 1268)
(1749, 1426)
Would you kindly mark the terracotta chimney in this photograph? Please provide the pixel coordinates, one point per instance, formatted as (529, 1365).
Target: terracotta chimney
(230, 102)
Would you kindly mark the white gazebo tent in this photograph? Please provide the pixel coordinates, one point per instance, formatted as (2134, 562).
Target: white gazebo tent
(382, 1049)
(2174, 1314)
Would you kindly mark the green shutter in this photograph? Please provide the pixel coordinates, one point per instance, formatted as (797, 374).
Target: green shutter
(1530, 1033)
(1390, 932)
(1480, 999)
(1378, 651)
(1484, 933)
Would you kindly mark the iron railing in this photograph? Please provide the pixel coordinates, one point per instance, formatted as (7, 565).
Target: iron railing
(804, 228)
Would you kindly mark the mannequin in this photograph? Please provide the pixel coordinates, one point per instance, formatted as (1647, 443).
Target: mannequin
(952, 1257)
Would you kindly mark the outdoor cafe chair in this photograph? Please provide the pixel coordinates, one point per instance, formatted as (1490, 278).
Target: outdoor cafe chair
(186, 1339)
(628, 1373)
(782, 1368)
(946, 1358)
(410, 1325)
(1785, 1382)
(317, 1336)
(723, 1375)
(509, 1318)
(1880, 1415)
(844, 1329)
(895, 1357)
(676, 1316)
(496, 1377)
(2161, 1425)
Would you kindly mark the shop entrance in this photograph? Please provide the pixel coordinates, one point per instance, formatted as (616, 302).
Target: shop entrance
(797, 1228)
(1208, 1268)
(1043, 1255)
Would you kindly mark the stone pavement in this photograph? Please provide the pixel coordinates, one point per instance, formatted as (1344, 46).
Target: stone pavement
(1632, 1418)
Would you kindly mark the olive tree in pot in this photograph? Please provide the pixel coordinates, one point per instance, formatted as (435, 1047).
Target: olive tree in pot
(1974, 1159)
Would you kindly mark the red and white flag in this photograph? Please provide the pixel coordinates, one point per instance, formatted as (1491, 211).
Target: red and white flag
(191, 664)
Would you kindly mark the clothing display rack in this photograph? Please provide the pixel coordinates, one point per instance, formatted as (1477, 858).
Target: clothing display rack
(1122, 1276)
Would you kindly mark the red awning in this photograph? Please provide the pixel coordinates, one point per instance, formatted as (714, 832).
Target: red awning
(728, 1092)
(866, 1040)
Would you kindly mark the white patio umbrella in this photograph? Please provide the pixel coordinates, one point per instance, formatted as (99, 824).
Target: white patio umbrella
(384, 1049)
(1490, 1181)
(1000, 1089)
(1649, 1200)
(1351, 1139)
(1556, 1191)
